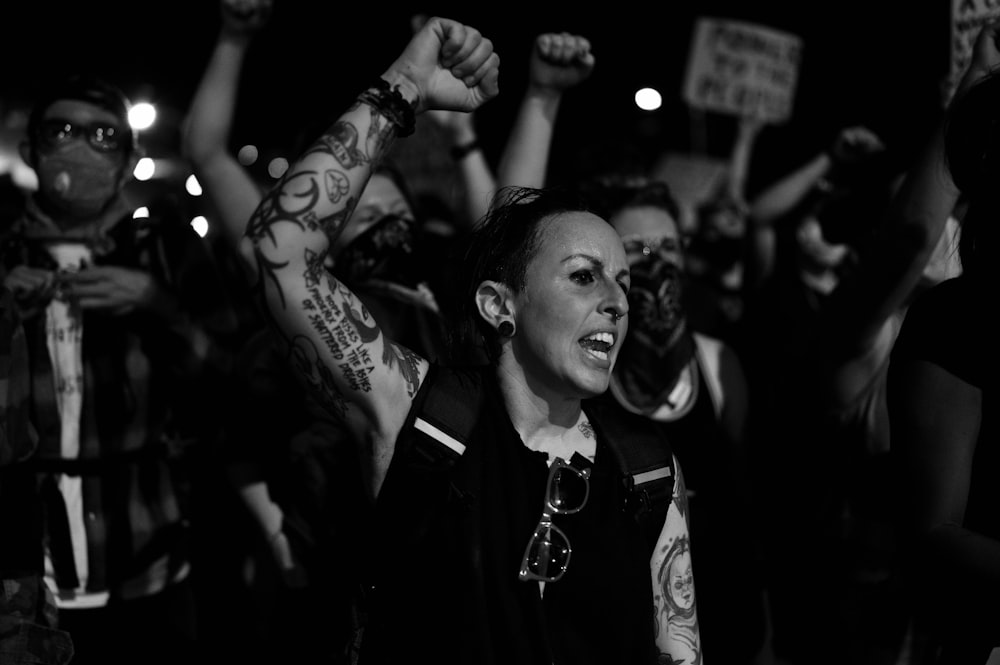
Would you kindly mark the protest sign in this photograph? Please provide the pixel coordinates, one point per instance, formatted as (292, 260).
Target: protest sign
(742, 69)
(967, 18)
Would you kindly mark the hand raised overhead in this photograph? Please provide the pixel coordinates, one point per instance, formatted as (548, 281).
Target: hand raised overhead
(559, 61)
(446, 65)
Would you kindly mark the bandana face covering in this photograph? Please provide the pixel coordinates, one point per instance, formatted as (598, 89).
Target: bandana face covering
(78, 181)
(384, 251)
(656, 313)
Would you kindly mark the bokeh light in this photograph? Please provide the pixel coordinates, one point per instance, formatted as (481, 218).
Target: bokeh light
(277, 167)
(648, 99)
(247, 155)
(145, 169)
(142, 115)
(200, 225)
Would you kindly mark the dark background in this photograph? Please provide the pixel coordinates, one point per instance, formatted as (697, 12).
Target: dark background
(876, 63)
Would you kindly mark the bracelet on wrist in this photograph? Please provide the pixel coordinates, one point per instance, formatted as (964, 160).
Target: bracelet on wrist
(460, 152)
(389, 102)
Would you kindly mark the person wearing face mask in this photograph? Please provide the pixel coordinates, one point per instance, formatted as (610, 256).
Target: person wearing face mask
(382, 261)
(693, 386)
(461, 568)
(127, 326)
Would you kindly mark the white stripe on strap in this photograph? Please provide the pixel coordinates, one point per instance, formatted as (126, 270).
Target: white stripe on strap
(650, 476)
(439, 436)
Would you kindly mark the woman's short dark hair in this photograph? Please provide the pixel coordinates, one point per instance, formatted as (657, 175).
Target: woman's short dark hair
(611, 196)
(972, 151)
(499, 248)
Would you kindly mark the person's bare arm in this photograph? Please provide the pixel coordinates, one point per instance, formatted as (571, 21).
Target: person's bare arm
(936, 419)
(678, 636)
(559, 61)
(813, 178)
(741, 156)
(909, 235)
(207, 126)
(476, 179)
(251, 486)
(336, 345)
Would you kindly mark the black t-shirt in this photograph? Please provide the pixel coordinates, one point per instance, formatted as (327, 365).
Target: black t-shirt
(948, 326)
(448, 545)
(951, 326)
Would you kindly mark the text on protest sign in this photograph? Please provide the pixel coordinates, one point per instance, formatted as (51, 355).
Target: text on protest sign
(967, 19)
(742, 69)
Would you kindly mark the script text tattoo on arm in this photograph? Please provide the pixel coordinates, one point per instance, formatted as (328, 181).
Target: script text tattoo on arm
(342, 325)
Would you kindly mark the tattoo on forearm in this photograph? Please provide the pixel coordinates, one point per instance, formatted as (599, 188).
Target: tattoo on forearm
(357, 367)
(365, 326)
(315, 270)
(338, 185)
(321, 202)
(680, 496)
(345, 330)
(290, 201)
(317, 376)
(409, 365)
(267, 269)
(333, 224)
(675, 601)
(342, 143)
(379, 135)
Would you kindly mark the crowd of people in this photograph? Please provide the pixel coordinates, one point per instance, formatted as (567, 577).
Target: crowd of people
(539, 421)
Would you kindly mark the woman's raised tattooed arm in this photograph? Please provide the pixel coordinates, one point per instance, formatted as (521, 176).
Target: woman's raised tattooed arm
(331, 338)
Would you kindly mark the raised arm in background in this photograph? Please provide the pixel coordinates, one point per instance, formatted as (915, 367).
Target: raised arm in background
(747, 132)
(234, 195)
(939, 387)
(336, 345)
(476, 179)
(902, 247)
(559, 61)
(206, 131)
(814, 178)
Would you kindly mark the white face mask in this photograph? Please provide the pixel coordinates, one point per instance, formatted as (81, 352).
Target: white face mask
(78, 181)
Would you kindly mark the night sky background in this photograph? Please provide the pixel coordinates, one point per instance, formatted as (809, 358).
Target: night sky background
(878, 63)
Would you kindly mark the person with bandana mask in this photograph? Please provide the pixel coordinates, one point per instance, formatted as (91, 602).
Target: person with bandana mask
(693, 385)
(127, 325)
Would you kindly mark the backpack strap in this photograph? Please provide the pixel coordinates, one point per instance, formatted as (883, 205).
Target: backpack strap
(709, 353)
(644, 456)
(447, 416)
